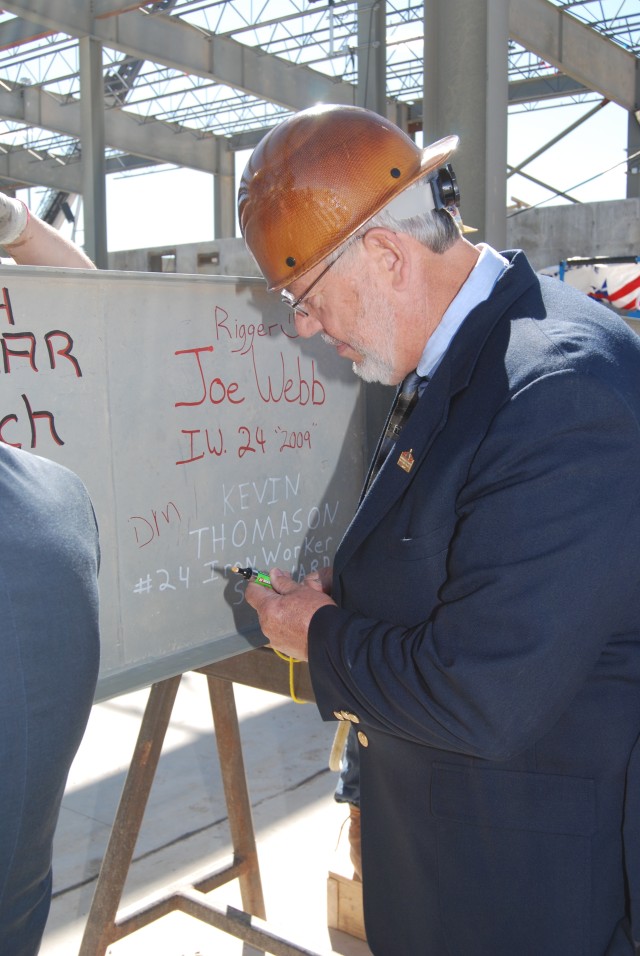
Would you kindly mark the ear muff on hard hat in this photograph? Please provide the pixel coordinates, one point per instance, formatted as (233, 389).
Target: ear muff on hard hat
(317, 177)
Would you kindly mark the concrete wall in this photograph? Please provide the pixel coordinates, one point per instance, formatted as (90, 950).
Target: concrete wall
(191, 258)
(547, 235)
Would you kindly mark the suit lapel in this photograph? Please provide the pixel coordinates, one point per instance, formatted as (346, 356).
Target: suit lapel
(425, 423)
(431, 412)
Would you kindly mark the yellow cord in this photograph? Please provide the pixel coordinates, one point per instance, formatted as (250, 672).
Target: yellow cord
(292, 687)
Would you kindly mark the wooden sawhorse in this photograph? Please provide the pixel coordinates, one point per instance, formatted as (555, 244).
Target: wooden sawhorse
(258, 668)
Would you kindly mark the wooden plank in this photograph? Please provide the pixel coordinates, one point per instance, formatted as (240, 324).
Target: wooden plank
(344, 905)
(263, 669)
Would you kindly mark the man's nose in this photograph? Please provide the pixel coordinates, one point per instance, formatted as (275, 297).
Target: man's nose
(307, 325)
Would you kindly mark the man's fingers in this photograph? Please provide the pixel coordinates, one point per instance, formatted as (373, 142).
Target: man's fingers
(282, 582)
(257, 595)
(314, 581)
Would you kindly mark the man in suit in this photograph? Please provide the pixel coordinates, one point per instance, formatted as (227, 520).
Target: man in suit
(482, 630)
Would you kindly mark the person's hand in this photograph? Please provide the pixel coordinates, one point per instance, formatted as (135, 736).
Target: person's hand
(14, 216)
(321, 580)
(286, 611)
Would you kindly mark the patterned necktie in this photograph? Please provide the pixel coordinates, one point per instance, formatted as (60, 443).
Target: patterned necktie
(405, 402)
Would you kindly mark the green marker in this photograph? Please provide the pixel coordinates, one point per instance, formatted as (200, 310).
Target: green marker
(258, 577)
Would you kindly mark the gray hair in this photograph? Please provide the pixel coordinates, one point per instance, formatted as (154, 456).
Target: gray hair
(436, 229)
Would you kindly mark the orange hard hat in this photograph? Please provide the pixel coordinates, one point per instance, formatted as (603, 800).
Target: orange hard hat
(318, 176)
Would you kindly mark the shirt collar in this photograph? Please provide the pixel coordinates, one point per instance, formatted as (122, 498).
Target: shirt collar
(477, 287)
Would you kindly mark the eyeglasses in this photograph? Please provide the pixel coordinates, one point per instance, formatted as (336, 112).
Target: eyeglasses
(294, 304)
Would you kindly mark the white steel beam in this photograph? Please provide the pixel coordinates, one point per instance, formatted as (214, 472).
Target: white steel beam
(171, 42)
(573, 47)
(576, 49)
(161, 142)
(31, 169)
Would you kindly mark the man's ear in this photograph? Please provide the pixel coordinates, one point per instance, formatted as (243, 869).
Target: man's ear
(389, 252)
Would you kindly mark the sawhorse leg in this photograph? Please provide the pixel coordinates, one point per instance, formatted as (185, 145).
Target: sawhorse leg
(103, 926)
(225, 720)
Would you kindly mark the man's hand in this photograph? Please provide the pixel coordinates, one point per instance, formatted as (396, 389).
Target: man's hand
(286, 611)
(320, 580)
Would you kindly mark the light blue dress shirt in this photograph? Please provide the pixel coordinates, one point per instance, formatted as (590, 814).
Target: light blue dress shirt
(477, 287)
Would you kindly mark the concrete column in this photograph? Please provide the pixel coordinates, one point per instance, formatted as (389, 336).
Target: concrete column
(372, 94)
(92, 141)
(466, 92)
(224, 198)
(372, 56)
(633, 144)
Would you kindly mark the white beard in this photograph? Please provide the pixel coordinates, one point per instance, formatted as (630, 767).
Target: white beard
(377, 359)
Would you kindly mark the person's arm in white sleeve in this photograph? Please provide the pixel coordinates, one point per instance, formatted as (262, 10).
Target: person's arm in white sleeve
(32, 242)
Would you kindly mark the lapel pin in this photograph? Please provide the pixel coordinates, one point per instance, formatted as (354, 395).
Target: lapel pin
(406, 460)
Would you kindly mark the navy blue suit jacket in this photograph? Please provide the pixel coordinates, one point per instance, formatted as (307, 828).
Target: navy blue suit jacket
(49, 655)
(486, 641)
